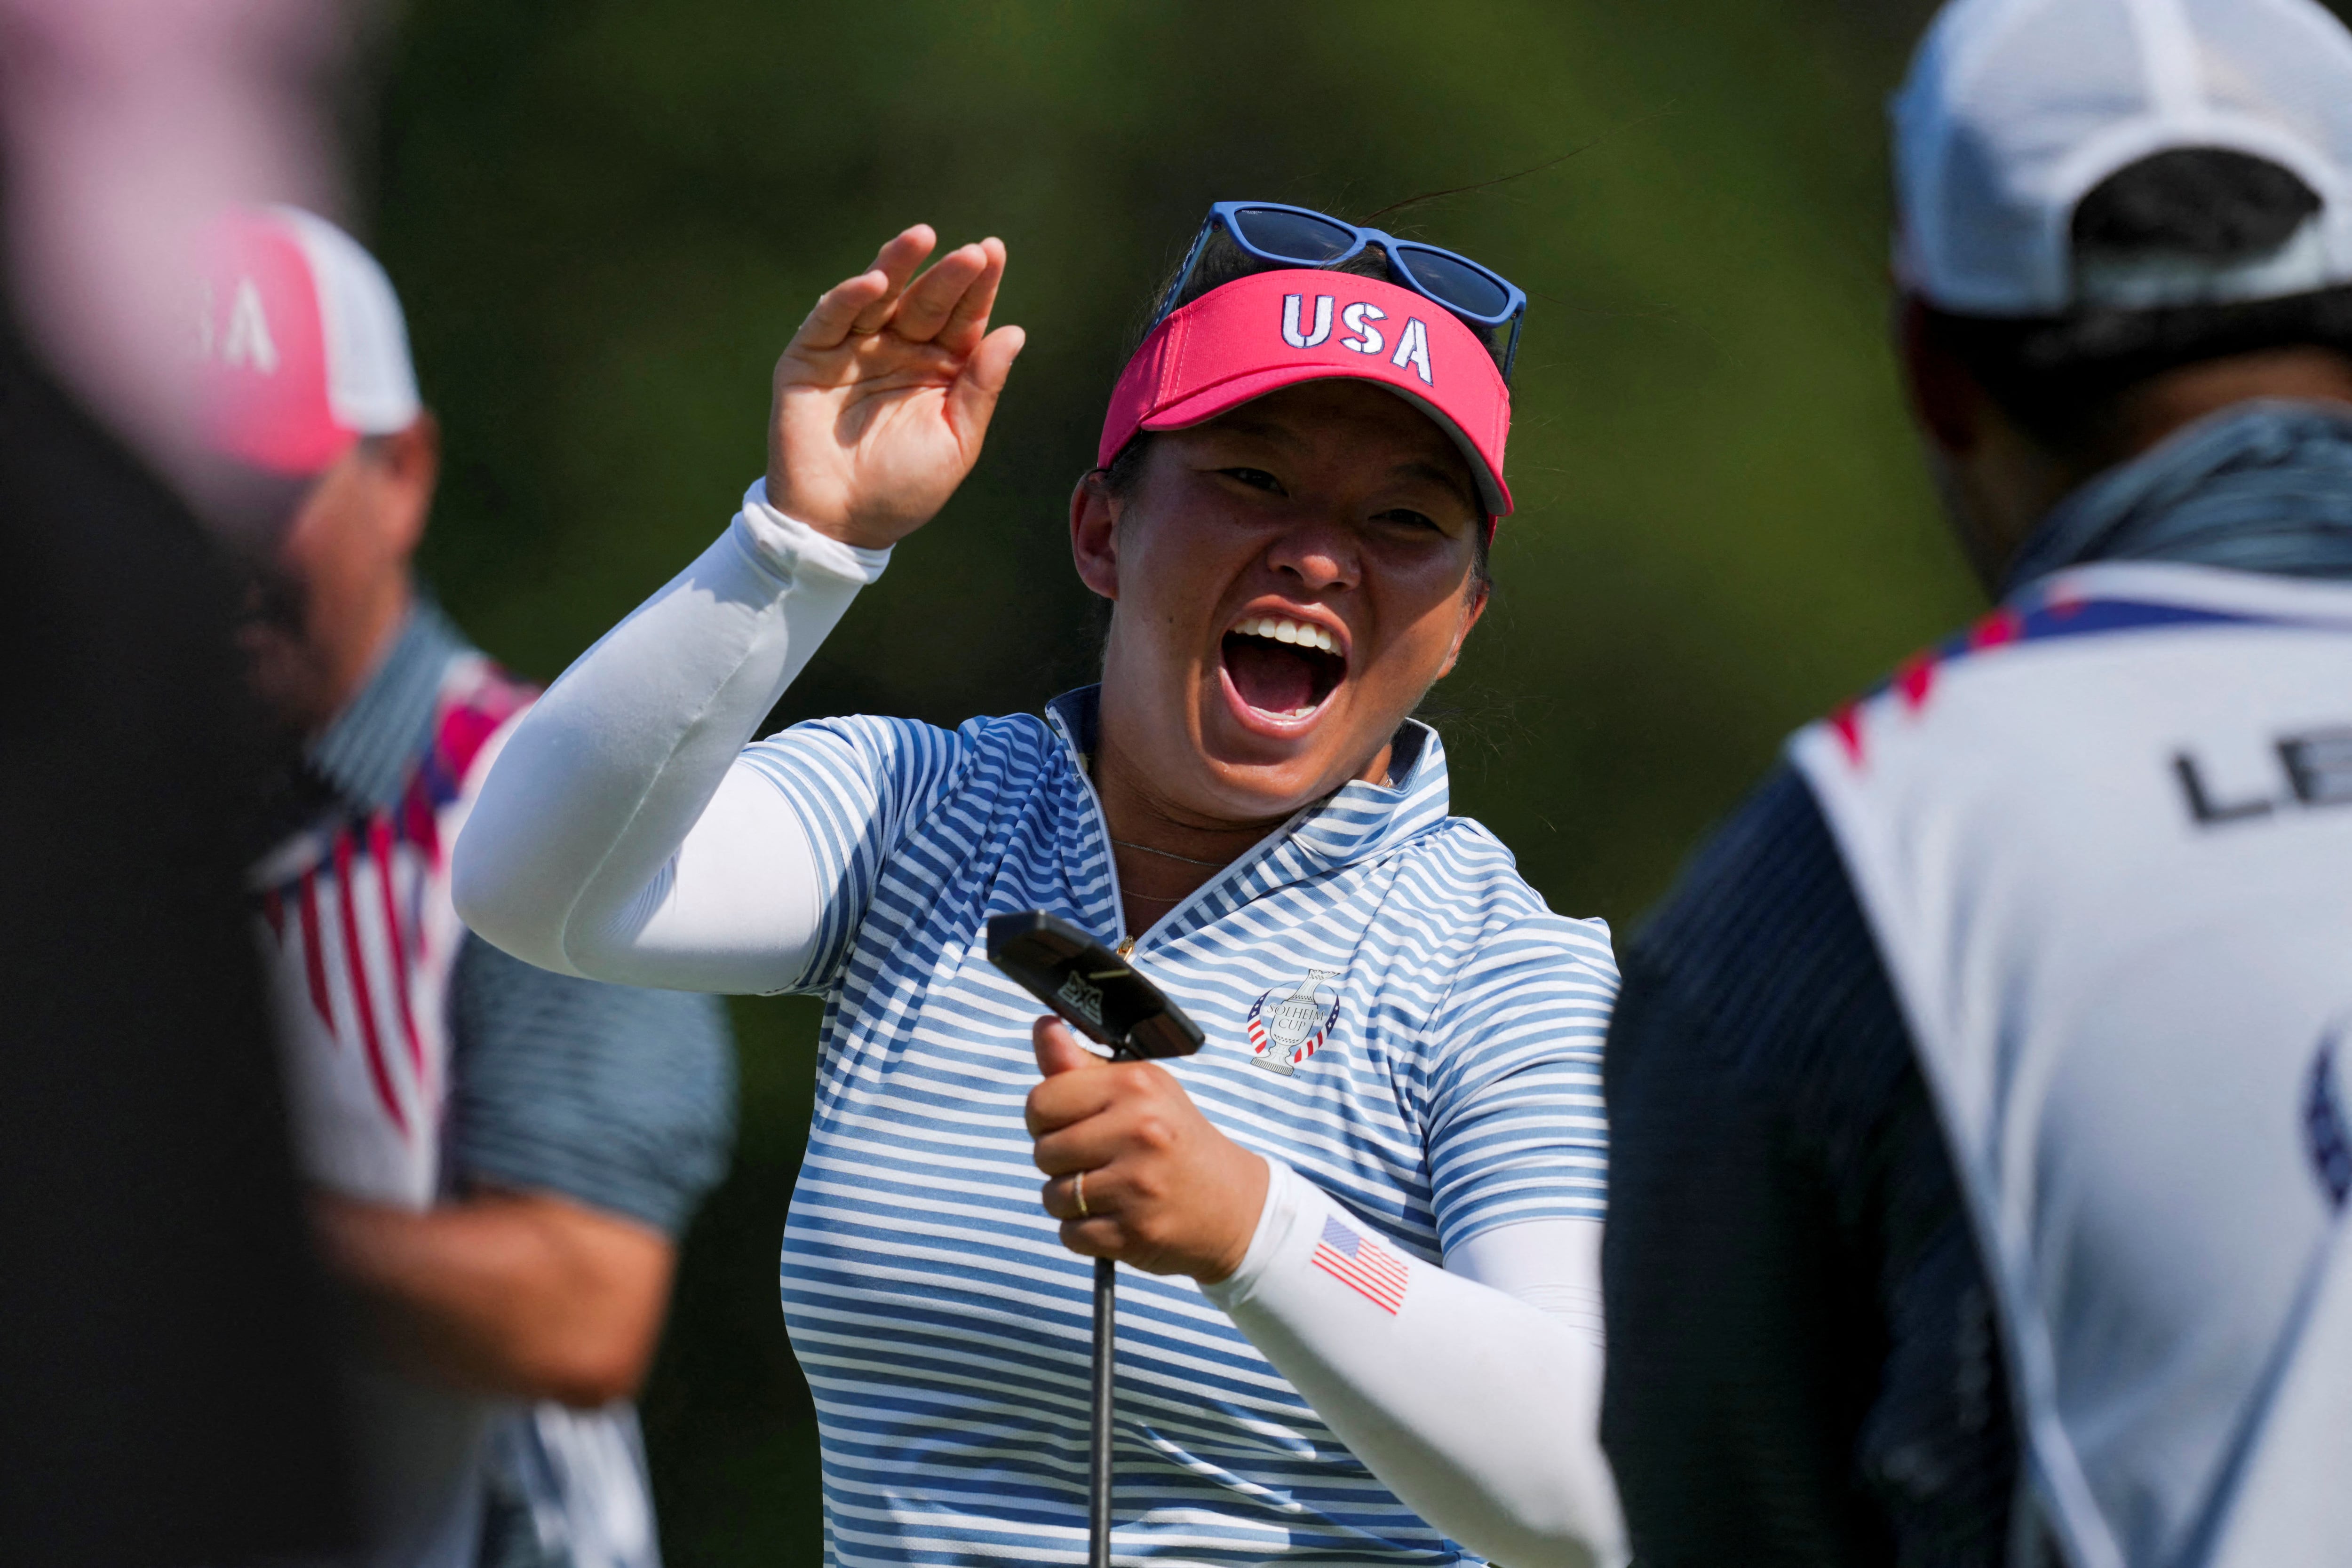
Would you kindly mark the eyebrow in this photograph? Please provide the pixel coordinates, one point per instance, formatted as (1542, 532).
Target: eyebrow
(1437, 473)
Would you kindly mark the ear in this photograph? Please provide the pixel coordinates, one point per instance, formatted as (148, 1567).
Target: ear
(1473, 608)
(408, 464)
(1946, 399)
(1093, 532)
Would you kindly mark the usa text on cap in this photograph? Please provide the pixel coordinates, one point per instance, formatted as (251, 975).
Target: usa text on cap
(1272, 329)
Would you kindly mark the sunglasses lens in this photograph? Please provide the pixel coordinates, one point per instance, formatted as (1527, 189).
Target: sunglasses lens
(1293, 237)
(1455, 283)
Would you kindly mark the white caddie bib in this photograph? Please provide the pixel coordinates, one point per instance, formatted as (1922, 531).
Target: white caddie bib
(2105, 842)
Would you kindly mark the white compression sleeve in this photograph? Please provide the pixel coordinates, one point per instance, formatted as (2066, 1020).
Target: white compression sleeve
(615, 836)
(1473, 1401)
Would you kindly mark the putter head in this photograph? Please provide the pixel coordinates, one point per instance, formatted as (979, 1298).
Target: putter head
(1093, 988)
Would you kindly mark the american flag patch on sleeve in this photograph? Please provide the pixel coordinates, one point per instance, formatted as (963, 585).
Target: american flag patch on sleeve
(1362, 1264)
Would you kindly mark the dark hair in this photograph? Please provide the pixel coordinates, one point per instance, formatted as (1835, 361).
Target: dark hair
(1222, 261)
(2063, 379)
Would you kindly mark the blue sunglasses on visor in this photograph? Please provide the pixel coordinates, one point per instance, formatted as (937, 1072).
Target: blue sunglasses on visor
(1295, 236)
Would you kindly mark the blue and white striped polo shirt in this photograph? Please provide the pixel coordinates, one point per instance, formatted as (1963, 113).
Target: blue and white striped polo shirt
(944, 1330)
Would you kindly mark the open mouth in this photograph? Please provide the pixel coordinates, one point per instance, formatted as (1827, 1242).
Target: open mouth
(1282, 668)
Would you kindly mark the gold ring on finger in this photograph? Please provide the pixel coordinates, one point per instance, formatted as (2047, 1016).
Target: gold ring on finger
(1078, 1191)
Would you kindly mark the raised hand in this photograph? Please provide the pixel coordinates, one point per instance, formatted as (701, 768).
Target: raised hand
(883, 395)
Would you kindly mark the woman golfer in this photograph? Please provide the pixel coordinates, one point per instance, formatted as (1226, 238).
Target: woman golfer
(1370, 1206)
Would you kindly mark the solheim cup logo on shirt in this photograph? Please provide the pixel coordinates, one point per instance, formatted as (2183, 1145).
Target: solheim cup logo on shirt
(1284, 1031)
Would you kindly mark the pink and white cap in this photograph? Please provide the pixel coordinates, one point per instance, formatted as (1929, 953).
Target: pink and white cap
(1272, 329)
(303, 346)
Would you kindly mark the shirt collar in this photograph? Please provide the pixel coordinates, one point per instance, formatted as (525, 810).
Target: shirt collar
(368, 750)
(2263, 485)
(1355, 822)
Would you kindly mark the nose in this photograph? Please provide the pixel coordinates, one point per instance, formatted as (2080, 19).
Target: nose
(1323, 553)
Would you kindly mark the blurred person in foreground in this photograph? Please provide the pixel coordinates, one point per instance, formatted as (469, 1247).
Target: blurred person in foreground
(167, 1392)
(1978, 1101)
(1298, 479)
(166, 1338)
(503, 1157)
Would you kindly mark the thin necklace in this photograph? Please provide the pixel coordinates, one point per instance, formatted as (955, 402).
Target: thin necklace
(1171, 854)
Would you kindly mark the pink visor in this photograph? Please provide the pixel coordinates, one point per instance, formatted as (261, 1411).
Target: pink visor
(1272, 329)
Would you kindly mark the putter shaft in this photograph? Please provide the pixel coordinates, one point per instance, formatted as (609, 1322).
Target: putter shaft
(1098, 1490)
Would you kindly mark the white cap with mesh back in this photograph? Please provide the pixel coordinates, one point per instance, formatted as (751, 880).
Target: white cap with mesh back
(304, 347)
(2015, 109)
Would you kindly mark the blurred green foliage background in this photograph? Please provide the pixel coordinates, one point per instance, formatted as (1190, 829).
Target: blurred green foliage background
(606, 218)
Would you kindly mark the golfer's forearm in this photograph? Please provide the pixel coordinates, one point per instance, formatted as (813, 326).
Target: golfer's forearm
(611, 837)
(1477, 1408)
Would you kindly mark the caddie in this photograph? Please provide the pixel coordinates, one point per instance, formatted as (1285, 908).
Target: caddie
(501, 1157)
(1979, 1101)
(1370, 1207)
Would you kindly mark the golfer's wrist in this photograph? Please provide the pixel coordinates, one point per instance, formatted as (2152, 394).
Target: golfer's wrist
(1253, 1181)
(794, 551)
(1287, 1195)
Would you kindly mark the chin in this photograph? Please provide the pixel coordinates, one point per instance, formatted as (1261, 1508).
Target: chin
(1268, 765)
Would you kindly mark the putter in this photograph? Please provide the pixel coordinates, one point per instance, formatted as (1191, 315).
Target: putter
(1101, 995)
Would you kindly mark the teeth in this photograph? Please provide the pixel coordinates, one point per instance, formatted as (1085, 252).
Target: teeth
(1296, 632)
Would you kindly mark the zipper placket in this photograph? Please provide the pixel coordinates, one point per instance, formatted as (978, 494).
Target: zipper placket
(1257, 852)
(1127, 945)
